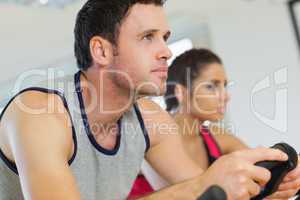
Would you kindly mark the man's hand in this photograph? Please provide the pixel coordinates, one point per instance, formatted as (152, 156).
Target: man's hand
(237, 174)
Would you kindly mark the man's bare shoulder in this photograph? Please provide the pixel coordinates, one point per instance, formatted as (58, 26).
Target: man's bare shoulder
(159, 122)
(35, 116)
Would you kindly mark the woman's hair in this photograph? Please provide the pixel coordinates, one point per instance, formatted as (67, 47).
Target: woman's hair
(186, 68)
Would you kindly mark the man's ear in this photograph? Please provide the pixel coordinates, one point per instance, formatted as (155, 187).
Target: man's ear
(101, 51)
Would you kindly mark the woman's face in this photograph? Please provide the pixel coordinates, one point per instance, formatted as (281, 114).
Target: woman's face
(209, 95)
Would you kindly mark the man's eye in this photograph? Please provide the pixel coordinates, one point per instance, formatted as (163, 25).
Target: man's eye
(166, 38)
(148, 37)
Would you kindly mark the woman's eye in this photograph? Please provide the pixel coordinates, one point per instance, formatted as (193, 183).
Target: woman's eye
(210, 87)
(226, 85)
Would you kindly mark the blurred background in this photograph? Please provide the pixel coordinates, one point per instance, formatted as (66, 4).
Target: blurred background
(255, 38)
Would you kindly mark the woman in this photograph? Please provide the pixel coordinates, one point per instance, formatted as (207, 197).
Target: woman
(196, 93)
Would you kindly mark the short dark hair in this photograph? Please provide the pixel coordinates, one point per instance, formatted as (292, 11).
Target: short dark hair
(191, 62)
(101, 18)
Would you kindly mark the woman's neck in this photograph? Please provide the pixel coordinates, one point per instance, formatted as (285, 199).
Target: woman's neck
(188, 123)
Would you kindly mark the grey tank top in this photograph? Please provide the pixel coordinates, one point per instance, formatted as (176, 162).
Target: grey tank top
(101, 174)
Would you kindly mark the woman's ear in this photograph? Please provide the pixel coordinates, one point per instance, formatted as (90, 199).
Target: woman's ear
(101, 51)
(179, 93)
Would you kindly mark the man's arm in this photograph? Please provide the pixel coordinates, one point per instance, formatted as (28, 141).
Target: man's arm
(166, 148)
(188, 190)
(41, 145)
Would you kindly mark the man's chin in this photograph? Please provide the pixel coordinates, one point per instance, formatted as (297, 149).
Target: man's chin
(152, 89)
(160, 92)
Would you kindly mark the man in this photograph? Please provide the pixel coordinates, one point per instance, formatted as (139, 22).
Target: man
(87, 140)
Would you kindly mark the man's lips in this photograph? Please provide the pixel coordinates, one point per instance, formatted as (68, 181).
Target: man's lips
(160, 69)
(161, 72)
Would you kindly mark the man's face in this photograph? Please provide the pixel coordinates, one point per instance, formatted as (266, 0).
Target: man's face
(142, 50)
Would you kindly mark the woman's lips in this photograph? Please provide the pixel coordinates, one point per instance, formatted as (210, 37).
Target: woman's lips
(221, 110)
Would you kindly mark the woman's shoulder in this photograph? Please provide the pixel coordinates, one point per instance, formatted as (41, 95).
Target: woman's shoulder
(218, 130)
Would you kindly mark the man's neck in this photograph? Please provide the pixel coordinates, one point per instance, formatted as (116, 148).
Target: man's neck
(104, 102)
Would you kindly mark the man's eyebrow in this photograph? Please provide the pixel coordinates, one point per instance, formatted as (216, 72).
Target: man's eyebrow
(166, 35)
(148, 32)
